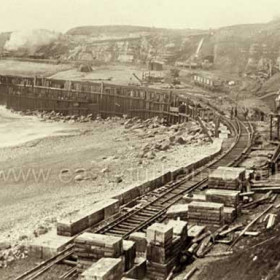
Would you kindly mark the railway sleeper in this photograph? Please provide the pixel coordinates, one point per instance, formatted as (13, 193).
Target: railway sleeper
(125, 227)
(117, 232)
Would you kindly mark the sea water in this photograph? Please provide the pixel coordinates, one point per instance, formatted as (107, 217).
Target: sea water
(16, 129)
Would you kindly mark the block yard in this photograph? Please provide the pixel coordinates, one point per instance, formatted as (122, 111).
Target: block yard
(138, 153)
(157, 229)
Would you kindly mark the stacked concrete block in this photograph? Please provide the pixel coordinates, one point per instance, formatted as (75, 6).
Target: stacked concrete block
(230, 178)
(178, 211)
(48, 245)
(230, 214)
(188, 198)
(195, 230)
(180, 229)
(208, 213)
(157, 271)
(160, 258)
(139, 269)
(90, 247)
(140, 242)
(71, 226)
(102, 210)
(228, 197)
(98, 212)
(104, 269)
(129, 252)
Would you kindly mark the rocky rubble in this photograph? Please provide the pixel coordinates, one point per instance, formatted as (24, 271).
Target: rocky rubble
(59, 117)
(162, 137)
(10, 254)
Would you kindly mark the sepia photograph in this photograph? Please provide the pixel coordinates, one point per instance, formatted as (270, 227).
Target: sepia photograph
(139, 140)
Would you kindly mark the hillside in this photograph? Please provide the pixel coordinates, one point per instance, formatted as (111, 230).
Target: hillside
(251, 50)
(123, 29)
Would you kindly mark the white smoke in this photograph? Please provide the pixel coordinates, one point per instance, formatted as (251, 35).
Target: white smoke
(30, 40)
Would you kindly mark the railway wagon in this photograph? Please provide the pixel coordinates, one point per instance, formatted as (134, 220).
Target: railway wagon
(209, 83)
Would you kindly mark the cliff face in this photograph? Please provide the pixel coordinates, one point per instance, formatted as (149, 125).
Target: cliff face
(247, 48)
(238, 49)
(241, 48)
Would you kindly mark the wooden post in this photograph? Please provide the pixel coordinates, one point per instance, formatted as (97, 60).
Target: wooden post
(271, 119)
(278, 132)
(217, 125)
(204, 129)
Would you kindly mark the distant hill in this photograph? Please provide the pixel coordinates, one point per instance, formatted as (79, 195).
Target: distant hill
(121, 29)
(89, 30)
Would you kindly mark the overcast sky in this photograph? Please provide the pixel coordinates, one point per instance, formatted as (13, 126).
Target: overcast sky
(61, 15)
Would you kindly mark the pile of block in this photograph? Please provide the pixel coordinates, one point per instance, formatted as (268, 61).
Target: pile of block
(206, 213)
(180, 236)
(178, 211)
(129, 254)
(229, 198)
(99, 211)
(104, 269)
(90, 247)
(160, 259)
(230, 178)
(140, 240)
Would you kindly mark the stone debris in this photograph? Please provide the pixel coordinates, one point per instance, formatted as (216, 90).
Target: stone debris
(165, 137)
(105, 269)
(10, 254)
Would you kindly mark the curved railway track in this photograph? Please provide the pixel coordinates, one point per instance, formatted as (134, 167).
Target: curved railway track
(155, 210)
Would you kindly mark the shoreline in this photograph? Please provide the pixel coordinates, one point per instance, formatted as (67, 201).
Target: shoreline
(107, 152)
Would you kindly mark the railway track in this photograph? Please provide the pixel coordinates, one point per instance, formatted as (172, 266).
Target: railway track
(37, 271)
(155, 210)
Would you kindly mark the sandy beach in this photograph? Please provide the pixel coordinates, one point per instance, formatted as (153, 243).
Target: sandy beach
(40, 178)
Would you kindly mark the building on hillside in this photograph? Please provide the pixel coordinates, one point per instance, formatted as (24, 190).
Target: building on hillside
(155, 65)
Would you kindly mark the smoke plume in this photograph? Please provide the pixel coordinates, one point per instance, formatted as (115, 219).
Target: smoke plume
(30, 40)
